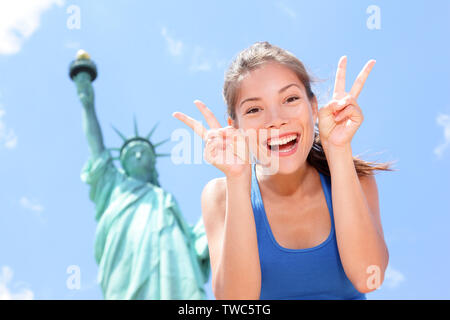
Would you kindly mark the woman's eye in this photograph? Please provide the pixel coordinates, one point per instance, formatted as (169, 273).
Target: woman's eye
(252, 110)
(291, 99)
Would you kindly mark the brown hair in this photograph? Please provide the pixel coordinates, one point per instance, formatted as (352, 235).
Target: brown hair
(254, 57)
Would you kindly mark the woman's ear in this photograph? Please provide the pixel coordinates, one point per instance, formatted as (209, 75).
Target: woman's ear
(230, 122)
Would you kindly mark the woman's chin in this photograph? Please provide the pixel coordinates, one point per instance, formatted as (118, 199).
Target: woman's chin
(282, 166)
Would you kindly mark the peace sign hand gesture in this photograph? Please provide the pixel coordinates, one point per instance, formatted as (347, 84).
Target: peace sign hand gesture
(226, 148)
(342, 116)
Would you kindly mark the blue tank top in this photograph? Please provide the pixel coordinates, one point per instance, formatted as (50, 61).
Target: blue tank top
(288, 274)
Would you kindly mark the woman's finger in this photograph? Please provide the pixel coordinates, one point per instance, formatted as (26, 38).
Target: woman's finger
(209, 116)
(240, 146)
(212, 134)
(192, 123)
(339, 84)
(361, 79)
(348, 112)
(256, 141)
(341, 104)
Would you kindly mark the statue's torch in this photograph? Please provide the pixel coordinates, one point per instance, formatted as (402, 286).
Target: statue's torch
(83, 63)
(83, 72)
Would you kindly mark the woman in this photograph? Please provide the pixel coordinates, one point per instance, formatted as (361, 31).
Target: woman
(308, 228)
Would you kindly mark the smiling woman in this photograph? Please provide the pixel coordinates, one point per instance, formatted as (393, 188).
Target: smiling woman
(259, 55)
(311, 228)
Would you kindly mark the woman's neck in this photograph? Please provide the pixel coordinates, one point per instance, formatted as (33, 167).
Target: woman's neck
(296, 183)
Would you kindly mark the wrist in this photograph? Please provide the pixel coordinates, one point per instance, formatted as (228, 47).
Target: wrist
(239, 179)
(339, 157)
(332, 150)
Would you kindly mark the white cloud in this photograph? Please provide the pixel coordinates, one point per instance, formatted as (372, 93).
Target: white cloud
(8, 137)
(393, 278)
(32, 205)
(6, 275)
(175, 47)
(35, 207)
(444, 121)
(199, 62)
(200, 59)
(286, 10)
(19, 19)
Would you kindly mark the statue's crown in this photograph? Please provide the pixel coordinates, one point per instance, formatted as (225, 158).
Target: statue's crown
(137, 137)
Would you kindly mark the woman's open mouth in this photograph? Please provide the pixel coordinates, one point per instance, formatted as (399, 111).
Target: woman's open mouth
(284, 145)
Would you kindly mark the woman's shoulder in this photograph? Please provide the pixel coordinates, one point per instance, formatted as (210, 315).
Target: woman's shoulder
(215, 190)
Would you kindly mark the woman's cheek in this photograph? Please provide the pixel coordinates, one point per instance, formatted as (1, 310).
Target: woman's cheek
(305, 113)
(250, 123)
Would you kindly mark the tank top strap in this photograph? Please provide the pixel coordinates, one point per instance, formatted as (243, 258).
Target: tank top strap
(326, 186)
(256, 199)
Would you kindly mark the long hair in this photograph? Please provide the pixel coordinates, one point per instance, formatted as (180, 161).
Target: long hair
(257, 55)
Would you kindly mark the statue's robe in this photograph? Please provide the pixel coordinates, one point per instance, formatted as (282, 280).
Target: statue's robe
(144, 248)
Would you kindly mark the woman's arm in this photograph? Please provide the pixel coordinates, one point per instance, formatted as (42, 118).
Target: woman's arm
(226, 208)
(359, 233)
(231, 232)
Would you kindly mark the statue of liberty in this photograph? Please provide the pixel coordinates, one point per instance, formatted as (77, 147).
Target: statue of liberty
(144, 248)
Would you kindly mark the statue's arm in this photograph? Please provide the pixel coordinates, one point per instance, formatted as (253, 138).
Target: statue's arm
(91, 126)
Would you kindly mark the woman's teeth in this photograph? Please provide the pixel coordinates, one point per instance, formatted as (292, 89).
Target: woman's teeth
(283, 144)
(281, 141)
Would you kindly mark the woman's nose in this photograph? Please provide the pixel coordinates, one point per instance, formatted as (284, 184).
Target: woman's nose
(274, 118)
(138, 155)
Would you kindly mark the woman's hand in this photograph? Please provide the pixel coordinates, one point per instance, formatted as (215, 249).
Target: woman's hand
(225, 148)
(342, 116)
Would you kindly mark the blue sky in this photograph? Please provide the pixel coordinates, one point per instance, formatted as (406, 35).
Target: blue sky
(155, 58)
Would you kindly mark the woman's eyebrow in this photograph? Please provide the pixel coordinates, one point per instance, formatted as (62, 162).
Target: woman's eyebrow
(280, 91)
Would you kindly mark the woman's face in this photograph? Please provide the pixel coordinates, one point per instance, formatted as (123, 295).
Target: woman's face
(273, 102)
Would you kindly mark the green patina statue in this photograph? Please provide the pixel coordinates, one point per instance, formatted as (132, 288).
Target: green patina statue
(144, 247)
